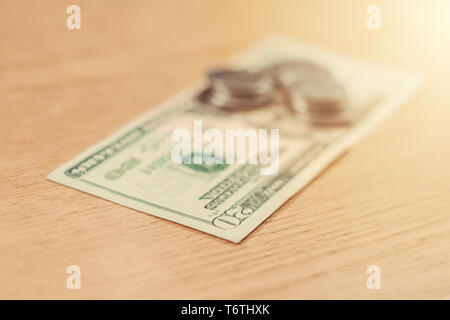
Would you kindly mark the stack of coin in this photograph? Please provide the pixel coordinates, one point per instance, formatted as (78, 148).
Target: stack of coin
(320, 102)
(238, 89)
(287, 72)
(312, 93)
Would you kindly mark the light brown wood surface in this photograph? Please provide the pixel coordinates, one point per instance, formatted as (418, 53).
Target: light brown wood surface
(385, 202)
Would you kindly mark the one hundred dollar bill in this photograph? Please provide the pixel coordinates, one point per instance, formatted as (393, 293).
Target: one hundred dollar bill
(133, 166)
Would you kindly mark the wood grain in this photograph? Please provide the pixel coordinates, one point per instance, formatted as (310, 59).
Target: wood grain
(386, 202)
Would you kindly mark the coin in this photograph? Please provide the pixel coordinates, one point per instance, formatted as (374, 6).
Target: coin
(325, 95)
(288, 72)
(312, 93)
(232, 89)
(320, 102)
(240, 82)
(219, 100)
(317, 118)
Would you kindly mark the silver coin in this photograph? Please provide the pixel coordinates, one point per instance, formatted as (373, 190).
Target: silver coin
(288, 72)
(222, 100)
(319, 102)
(339, 118)
(303, 110)
(239, 104)
(232, 89)
(240, 82)
(324, 93)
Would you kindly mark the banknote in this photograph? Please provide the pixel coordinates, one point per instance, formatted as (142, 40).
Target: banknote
(134, 166)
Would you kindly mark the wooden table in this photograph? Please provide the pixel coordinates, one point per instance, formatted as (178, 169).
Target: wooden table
(386, 202)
